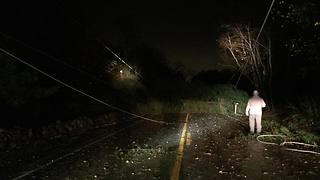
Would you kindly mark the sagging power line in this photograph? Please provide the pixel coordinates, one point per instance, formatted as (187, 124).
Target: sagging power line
(119, 58)
(257, 39)
(80, 91)
(80, 70)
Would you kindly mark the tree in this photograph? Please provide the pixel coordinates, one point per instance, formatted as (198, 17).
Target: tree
(21, 89)
(251, 57)
(296, 33)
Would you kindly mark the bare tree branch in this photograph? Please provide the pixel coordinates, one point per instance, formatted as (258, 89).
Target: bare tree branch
(253, 58)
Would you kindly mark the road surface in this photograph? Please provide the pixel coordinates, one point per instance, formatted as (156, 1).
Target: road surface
(197, 146)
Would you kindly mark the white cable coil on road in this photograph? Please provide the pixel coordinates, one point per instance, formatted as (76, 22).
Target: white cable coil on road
(283, 138)
(287, 142)
(269, 135)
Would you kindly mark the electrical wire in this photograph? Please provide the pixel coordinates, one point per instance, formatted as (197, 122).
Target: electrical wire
(118, 57)
(53, 58)
(265, 20)
(81, 92)
(287, 142)
(71, 153)
(257, 38)
(284, 141)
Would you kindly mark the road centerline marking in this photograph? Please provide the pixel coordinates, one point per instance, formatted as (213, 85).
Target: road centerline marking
(188, 140)
(177, 166)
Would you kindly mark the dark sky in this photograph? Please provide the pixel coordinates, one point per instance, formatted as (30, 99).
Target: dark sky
(185, 31)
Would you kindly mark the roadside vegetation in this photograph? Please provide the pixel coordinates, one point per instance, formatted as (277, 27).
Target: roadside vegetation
(295, 127)
(200, 99)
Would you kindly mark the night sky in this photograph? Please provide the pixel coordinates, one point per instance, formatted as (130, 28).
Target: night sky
(185, 31)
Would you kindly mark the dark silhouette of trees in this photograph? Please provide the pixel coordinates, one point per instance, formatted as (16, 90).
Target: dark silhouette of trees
(66, 49)
(296, 35)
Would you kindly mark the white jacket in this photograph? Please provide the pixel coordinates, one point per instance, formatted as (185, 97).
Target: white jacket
(255, 105)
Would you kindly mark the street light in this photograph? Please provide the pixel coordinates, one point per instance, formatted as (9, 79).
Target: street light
(121, 74)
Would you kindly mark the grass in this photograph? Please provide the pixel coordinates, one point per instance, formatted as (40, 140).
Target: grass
(304, 112)
(156, 107)
(292, 130)
(293, 127)
(203, 99)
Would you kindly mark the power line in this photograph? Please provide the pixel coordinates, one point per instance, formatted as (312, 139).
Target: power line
(265, 20)
(118, 57)
(71, 153)
(81, 92)
(53, 58)
(260, 31)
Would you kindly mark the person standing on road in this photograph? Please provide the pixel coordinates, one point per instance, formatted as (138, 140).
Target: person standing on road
(254, 111)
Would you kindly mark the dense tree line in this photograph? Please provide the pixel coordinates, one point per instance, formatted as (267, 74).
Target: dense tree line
(59, 44)
(296, 34)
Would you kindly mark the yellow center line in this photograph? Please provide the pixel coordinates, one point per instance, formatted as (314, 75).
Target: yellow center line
(177, 166)
(189, 140)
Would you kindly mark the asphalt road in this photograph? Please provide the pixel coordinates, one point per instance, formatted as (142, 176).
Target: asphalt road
(133, 150)
(197, 146)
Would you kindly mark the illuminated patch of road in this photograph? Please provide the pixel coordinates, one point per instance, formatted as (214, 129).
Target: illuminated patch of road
(185, 139)
(189, 140)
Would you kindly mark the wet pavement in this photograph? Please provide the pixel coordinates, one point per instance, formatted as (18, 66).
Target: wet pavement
(212, 146)
(221, 149)
(132, 150)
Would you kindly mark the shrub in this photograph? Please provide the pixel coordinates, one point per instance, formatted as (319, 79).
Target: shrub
(203, 99)
(305, 112)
